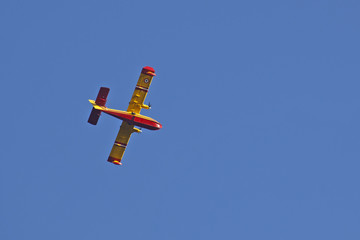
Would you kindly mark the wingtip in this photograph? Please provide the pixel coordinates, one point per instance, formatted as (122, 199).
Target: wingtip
(117, 162)
(114, 161)
(148, 71)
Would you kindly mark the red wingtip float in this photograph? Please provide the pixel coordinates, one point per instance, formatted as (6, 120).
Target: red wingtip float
(131, 117)
(149, 71)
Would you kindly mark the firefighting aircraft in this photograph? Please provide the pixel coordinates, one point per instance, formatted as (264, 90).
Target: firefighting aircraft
(131, 117)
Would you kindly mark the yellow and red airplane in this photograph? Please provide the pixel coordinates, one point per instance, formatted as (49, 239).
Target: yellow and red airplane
(131, 117)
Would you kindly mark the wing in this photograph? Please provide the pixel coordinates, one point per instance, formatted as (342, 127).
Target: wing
(121, 142)
(141, 90)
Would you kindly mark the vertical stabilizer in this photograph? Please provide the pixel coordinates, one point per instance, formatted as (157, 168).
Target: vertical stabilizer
(101, 101)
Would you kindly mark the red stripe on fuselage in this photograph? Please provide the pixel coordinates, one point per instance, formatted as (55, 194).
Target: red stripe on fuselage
(136, 120)
(146, 123)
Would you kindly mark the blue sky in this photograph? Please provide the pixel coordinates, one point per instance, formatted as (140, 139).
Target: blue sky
(259, 102)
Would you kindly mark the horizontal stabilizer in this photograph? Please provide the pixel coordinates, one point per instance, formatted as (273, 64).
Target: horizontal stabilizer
(94, 116)
(97, 105)
(102, 96)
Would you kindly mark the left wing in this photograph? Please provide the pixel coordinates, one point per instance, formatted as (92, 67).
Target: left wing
(141, 90)
(121, 142)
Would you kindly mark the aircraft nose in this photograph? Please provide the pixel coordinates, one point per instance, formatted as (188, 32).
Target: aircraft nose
(159, 126)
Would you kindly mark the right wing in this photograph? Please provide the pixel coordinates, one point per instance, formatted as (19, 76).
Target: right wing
(141, 90)
(121, 142)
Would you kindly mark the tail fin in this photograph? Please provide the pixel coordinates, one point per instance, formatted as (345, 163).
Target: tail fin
(94, 116)
(102, 96)
(100, 101)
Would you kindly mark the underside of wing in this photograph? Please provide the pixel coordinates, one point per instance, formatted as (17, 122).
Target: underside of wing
(121, 142)
(141, 90)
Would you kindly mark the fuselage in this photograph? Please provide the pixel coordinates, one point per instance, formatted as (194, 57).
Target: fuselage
(134, 119)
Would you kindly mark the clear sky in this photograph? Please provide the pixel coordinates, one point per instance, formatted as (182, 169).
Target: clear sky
(259, 102)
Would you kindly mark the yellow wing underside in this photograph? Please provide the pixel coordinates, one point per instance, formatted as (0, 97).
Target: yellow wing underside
(135, 105)
(142, 87)
(121, 142)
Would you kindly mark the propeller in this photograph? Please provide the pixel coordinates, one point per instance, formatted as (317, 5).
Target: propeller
(149, 105)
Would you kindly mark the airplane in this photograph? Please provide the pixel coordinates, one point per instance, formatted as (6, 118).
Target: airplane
(131, 117)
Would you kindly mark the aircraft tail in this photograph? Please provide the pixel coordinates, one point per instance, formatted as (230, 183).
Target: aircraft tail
(98, 105)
